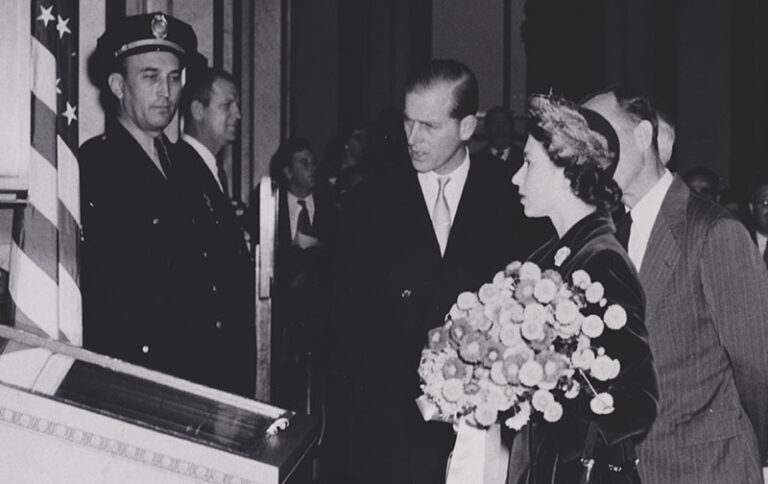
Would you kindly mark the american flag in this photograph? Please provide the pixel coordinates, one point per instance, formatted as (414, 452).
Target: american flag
(44, 273)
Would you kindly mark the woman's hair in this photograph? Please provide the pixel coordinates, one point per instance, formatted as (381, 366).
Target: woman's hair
(579, 146)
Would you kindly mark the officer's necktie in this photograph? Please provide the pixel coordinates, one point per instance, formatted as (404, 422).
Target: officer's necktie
(623, 228)
(441, 215)
(222, 176)
(304, 225)
(162, 155)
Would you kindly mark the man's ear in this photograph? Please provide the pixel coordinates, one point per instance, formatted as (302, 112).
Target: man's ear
(287, 172)
(196, 108)
(467, 127)
(644, 135)
(116, 83)
(751, 208)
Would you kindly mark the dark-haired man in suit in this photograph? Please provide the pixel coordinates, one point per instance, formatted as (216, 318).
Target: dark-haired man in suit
(706, 313)
(500, 153)
(210, 105)
(411, 241)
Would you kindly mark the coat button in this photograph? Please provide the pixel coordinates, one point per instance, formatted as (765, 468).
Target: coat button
(218, 324)
(213, 288)
(405, 294)
(205, 254)
(145, 349)
(155, 221)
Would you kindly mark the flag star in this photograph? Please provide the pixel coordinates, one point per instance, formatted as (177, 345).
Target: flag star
(69, 113)
(61, 26)
(58, 89)
(45, 15)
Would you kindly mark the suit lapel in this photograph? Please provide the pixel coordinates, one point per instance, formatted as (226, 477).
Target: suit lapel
(461, 229)
(412, 217)
(664, 245)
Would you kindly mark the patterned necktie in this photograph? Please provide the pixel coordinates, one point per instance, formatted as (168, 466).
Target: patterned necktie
(304, 225)
(162, 155)
(441, 215)
(623, 228)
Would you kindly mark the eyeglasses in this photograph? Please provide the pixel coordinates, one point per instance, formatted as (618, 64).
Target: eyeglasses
(762, 203)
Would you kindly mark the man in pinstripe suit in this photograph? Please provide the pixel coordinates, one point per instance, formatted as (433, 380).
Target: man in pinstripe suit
(706, 313)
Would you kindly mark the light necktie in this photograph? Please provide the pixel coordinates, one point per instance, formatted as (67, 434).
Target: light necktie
(162, 155)
(222, 176)
(441, 215)
(303, 225)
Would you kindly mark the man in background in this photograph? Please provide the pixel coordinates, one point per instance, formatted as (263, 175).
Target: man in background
(706, 313)
(210, 106)
(500, 153)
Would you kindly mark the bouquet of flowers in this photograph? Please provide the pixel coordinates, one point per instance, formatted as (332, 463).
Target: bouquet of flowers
(520, 345)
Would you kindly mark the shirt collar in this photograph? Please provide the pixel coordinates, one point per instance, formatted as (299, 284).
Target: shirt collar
(458, 176)
(645, 211)
(202, 150)
(501, 153)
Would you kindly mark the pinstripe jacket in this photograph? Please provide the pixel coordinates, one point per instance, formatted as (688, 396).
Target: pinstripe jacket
(707, 317)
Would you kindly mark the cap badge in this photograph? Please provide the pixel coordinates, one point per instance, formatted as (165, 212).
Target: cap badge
(159, 26)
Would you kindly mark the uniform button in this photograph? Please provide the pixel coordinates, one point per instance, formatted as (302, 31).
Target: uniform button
(155, 221)
(213, 288)
(405, 294)
(217, 221)
(145, 349)
(218, 324)
(205, 254)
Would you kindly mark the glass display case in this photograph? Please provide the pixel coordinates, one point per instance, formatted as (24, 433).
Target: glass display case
(70, 415)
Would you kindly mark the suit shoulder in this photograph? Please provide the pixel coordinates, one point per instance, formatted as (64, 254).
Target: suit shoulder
(93, 146)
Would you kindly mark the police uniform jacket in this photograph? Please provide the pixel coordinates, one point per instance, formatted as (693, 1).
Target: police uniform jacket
(141, 263)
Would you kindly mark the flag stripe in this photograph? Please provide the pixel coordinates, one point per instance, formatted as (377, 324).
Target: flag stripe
(35, 294)
(44, 132)
(69, 179)
(70, 310)
(43, 74)
(69, 244)
(37, 238)
(42, 177)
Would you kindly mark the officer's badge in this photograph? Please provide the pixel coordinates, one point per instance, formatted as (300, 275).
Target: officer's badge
(159, 26)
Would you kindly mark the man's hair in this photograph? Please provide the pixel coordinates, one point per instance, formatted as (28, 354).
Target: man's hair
(465, 92)
(757, 181)
(284, 154)
(198, 88)
(636, 104)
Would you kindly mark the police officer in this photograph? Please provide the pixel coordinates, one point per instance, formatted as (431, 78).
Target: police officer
(141, 250)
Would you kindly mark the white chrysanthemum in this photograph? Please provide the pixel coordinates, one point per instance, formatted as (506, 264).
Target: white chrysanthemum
(594, 292)
(497, 373)
(497, 398)
(583, 342)
(511, 312)
(509, 335)
(542, 399)
(545, 290)
(521, 351)
(512, 267)
(457, 313)
(605, 368)
(488, 293)
(571, 329)
(485, 415)
(581, 279)
(602, 403)
(566, 311)
(533, 330)
(583, 358)
(535, 312)
(453, 389)
(498, 278)
(615, 317)
(531, 373)
(560, 256)
(553, 412)
(592, 326)
(467, 300)
(519, 419)
(530, 271)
